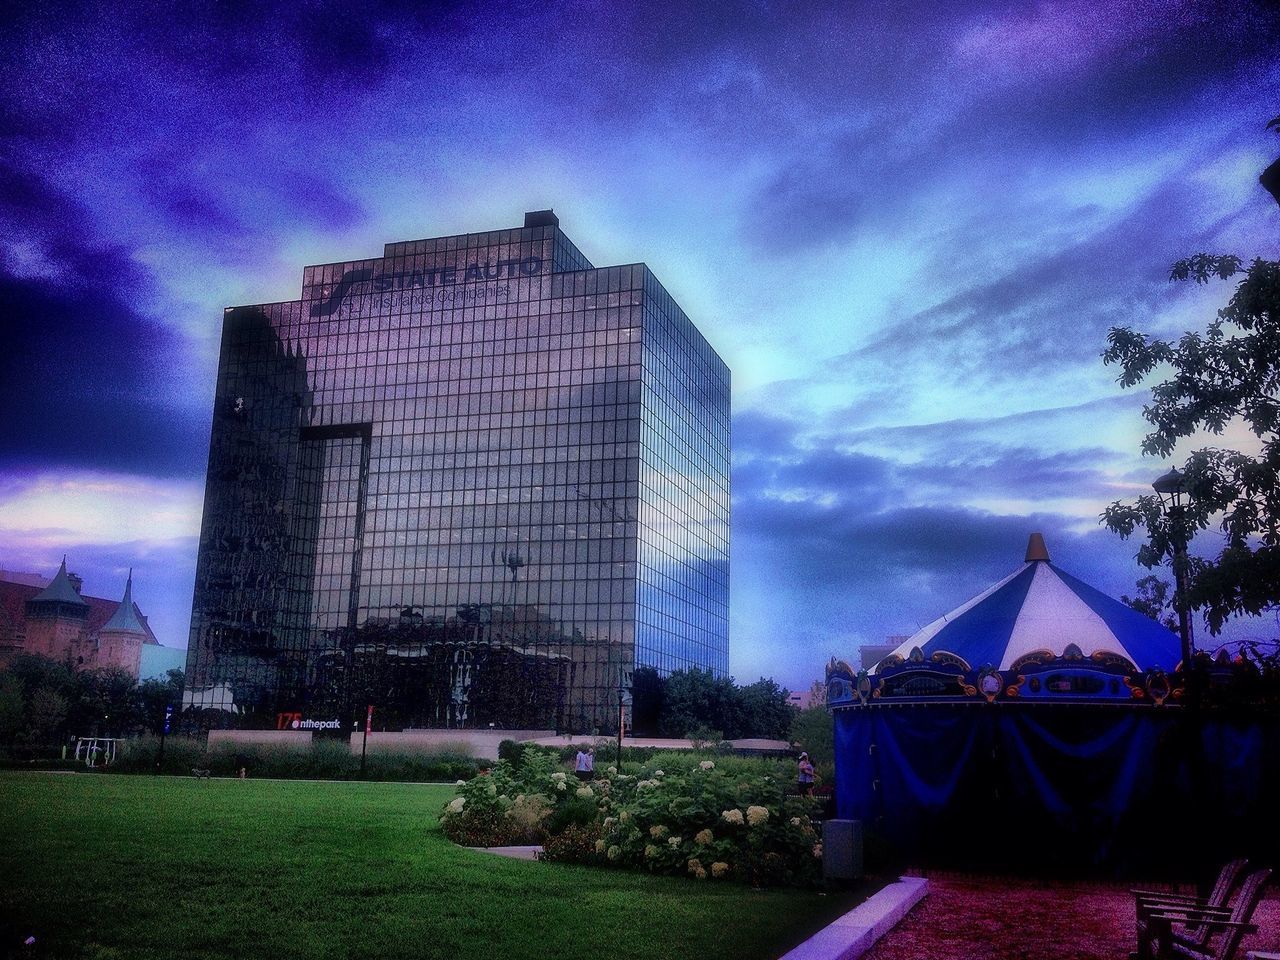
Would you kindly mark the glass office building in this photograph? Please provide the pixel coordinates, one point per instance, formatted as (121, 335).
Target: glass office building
(473, 481)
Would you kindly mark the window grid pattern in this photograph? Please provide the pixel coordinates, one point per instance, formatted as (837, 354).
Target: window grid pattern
(433, 485)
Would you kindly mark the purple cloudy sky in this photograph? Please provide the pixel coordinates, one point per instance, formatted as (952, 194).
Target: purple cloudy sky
(906, 227)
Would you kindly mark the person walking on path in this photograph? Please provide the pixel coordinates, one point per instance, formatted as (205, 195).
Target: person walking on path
(805, 775)
(585, 764)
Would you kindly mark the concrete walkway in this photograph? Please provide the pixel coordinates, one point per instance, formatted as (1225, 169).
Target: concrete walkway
(515, 853)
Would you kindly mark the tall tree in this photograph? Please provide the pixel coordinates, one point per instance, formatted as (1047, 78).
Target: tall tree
(765, 711)
(814, 731)
(697, 698)
(13, 706)
(1152, 599)
(47, 717)
(1229, 375)
(153, 696)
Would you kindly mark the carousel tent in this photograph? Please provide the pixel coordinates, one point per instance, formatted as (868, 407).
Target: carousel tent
(1041, 608)
(1042, 722)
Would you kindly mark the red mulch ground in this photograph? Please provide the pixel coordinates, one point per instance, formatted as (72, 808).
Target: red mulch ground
(968, 918)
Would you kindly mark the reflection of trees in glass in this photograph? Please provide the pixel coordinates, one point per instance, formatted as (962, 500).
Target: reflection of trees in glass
(509, 666)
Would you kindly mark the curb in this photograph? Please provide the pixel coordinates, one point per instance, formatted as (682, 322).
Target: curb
(852, 935)
(515, 853)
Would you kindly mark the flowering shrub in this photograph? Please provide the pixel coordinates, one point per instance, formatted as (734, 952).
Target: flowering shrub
(519, 805)
(710, 821)
(709, 824)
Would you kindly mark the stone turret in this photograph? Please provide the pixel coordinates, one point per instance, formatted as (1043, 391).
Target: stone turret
(56, 618)
(120, 640)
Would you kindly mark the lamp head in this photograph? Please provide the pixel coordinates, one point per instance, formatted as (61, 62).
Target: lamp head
(1171, 486)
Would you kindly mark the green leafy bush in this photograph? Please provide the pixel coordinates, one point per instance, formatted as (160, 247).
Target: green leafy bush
(320, 760)
(578, 843)
(708, 819)
(139, 755)
(573, 811)
(509, 750)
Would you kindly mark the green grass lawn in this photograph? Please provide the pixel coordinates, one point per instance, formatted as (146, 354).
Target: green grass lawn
(148, 867)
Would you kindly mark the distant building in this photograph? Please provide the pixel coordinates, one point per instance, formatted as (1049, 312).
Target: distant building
(800, 699)
(53, 619)
(815, 696)
(872, 653)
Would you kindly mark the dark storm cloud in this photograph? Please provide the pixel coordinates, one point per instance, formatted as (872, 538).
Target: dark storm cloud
(83, 375)
(934, 114)
(985, 471)
(55, 230)
(237, 217)
(82, 382)
(1141, 65)
(784, 460)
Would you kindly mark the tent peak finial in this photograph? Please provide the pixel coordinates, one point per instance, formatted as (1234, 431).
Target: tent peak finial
(1036, 550)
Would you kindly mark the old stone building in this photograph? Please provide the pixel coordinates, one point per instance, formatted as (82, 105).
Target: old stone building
(58, 622)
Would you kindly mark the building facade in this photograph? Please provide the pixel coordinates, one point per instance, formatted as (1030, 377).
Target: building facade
(51, 618)
(475, 481)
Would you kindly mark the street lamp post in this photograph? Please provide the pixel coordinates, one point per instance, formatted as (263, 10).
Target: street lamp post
(623, 692)
(1172, 489)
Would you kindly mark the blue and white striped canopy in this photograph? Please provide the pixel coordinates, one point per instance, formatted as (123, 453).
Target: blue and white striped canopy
(1039, 607)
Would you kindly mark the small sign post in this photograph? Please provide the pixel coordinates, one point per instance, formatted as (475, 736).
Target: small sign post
(364, 744)
(164, 732)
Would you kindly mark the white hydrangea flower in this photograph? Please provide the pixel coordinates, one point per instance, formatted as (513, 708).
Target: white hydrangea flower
(561, 787)
(559, 776)
(719, 869)
(674, 842)
(732, 816)
(657, 831)
(797, 822)
(599, 846)
(613, 771)
(461, 783)
(658, 773)
(456, 804)
(614, 852)
(704, 837)
(583, 793)
(757, 815)
(707, 765)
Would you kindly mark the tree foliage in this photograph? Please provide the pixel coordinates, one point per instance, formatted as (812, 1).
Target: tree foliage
(43, 701)
(1228, 375)
(696, 701)
(814, 730)
(1153, 598)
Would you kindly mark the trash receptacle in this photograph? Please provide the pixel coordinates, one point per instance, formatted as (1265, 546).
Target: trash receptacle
(842, 849)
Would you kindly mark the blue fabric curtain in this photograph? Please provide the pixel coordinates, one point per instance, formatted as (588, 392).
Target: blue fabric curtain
(1086, 788)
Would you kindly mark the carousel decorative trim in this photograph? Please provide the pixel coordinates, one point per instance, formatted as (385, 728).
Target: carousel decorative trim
(1036, 677)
